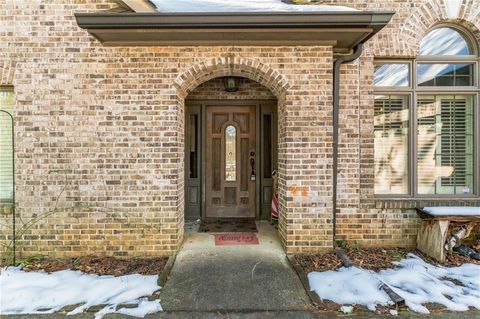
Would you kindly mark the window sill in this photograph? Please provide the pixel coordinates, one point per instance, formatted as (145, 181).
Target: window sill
(412, 203)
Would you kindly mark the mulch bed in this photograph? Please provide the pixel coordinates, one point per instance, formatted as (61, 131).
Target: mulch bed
(457, 260)
(367, 258)
(371, 258)
(99, 265)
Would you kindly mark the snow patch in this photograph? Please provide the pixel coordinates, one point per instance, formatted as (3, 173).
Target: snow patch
(350, 286)
(144, 308)
(453, 210)
(44, 293)
(240, 6)
(413, 279)
(346, 309)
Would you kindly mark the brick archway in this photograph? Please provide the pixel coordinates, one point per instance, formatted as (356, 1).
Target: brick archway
(434, 12)
(230, 65)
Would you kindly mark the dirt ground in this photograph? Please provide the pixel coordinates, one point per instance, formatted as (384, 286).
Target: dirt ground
(98, 265)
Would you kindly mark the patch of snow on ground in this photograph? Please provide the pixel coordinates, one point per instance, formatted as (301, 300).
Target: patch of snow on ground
(144, 308)
(349, 286)
(413, 279)
(41, 292)
(454, 211)
(240, 6)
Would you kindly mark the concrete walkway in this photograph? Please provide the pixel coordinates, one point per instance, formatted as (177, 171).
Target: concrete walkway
(210, 278)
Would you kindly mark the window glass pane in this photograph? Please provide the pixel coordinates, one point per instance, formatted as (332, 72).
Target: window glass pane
(391, 144)
(444, 41)
(445, 144)
(6, 147)
(391, 75)
(231, 153)
(433, 74)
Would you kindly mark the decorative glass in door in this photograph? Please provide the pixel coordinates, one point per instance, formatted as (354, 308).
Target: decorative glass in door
(230, 153)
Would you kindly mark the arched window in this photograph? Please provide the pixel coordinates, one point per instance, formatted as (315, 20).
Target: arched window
(427, 119)
(445, 59)
(444, 41)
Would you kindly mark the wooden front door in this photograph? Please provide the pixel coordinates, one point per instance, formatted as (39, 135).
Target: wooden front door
(230, 162)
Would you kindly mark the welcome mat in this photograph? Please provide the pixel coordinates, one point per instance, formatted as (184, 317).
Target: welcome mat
(232, 225)
(227, 239)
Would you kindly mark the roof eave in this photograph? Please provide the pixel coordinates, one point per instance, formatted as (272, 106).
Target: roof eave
(342, 30)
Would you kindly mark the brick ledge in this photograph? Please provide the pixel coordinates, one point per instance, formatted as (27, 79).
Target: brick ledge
(411, 203)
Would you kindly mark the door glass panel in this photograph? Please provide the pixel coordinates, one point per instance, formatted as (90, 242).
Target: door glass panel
(193, 147)
(267, 146)
(230, 153)
(216, 167)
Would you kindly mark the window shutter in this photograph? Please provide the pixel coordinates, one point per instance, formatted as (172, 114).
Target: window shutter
(426, 138)
(390, 109)
(6, 147)
(453, 142)
(391, 144)
(445, 144)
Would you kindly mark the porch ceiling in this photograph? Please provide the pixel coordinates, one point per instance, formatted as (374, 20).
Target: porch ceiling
(342, 30)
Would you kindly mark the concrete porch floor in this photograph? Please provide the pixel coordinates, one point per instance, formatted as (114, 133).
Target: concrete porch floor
(209, 278)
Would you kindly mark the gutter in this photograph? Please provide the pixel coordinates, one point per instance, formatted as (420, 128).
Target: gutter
(153, 20)
(357, 52)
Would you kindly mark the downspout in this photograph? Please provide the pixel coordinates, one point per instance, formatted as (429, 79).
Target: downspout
(347, 262)
(357, 51)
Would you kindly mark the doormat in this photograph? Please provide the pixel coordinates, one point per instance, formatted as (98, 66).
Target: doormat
(228, 226)
(229, 239)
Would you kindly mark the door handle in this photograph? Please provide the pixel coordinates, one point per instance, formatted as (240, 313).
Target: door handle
(252, 166)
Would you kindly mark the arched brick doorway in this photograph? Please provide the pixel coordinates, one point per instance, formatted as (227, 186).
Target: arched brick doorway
(263, 92)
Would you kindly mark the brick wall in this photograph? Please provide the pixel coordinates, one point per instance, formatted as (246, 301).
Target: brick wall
(362, 219)
(100, 131)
